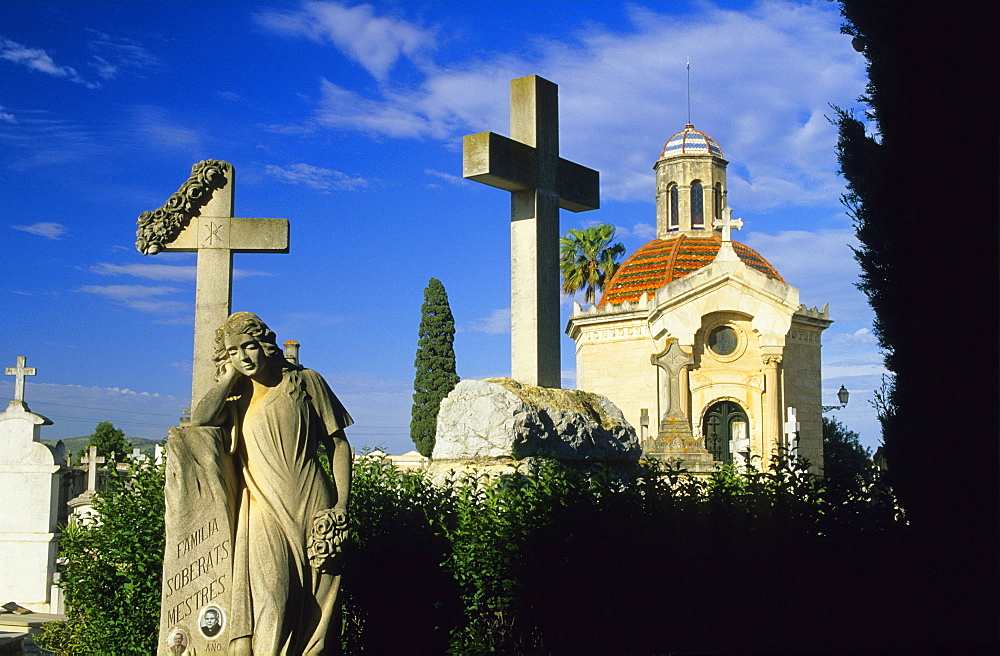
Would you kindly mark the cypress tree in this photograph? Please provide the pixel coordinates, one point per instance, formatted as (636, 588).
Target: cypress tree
(435, 364)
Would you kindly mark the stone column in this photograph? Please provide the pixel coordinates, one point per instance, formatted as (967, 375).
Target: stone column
(771, 429)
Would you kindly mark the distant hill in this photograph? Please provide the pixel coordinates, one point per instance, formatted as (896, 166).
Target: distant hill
(75, 444)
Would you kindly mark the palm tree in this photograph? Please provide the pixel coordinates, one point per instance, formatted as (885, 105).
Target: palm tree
(587, 260)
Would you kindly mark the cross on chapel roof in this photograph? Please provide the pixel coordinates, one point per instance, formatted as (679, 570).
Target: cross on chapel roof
(727, 223)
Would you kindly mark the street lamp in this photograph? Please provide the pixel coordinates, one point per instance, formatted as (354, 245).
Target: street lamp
(843, 396)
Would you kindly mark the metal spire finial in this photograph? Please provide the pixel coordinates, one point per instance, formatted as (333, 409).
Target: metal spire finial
(689, 88)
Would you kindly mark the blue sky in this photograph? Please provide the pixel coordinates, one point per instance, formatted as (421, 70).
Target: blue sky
(347, 118)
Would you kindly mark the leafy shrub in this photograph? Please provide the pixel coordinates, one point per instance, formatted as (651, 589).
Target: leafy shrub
(112, 570)
(394, 575)
(550, 558)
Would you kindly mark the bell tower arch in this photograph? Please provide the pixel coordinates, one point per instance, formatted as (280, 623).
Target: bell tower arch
(690, 185)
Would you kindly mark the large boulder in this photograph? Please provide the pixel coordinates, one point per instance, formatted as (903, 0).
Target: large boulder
(499, 417)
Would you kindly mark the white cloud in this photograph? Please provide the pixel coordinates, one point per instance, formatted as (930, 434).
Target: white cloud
(7, 117)
(43, 229)
(139, 297)
(374, 42)
(37, 59)
(115, 54)
(859, 336)
(447, 177)
(820, 264)
(498, 323)
(316, 177)
(150, 271)
(780, 64)
(157, 128)
(76, 409)
(396, 116)
(176, 273)
(642, 231)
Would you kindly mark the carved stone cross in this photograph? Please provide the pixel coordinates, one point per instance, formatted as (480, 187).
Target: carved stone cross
(671, 360)
(727, 223)
(19, 372)
(91, 459)
(528, 165)
(199, 218)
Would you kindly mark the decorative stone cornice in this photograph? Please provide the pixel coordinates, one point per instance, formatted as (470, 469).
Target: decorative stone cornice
(596, 323)
(161, 226)
(611, 309)
(814, 313)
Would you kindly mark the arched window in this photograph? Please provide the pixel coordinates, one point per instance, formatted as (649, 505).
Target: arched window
(718, 200)
(675, 205)
(726, 431)
(697, 206)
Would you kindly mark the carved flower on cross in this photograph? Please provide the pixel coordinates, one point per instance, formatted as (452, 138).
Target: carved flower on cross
(326, 537)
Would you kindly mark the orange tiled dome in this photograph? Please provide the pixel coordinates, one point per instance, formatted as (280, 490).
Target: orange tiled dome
(664, 260)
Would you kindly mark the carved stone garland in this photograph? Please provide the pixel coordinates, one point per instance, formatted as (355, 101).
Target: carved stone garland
(162, 225)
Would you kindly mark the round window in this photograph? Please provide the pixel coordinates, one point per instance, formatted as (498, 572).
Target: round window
(722, 340)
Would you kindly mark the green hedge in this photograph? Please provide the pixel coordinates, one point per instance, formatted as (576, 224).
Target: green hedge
(551, 558)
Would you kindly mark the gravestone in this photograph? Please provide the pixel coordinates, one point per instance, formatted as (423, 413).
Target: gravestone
(83, 505)
(30, 477)
(792, 427)
(197, 558)
(199, 218)
(528, 165)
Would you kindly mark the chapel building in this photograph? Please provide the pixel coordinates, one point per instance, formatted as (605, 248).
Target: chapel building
(698, 339)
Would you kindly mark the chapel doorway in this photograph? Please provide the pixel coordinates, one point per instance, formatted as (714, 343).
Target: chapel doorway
(726, 430)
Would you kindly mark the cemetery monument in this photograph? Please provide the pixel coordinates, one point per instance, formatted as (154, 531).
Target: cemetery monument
(30, 475)
(527, 414)
(528, 165)
(253, 526)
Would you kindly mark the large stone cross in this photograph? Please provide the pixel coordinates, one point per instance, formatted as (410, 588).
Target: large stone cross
(19, 372)
(528, 165)
(199, 218)
(91, 459)
(727, 223)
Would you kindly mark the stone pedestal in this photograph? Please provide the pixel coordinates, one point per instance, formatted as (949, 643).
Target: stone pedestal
(676, 445)
(30, 473)
(197, 559)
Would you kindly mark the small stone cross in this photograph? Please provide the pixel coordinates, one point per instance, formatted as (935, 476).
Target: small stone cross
(727, 223)
(671, 360)
(528, 165)
(199, 218)
(91, 459)
(19, 372)
(792, 432)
